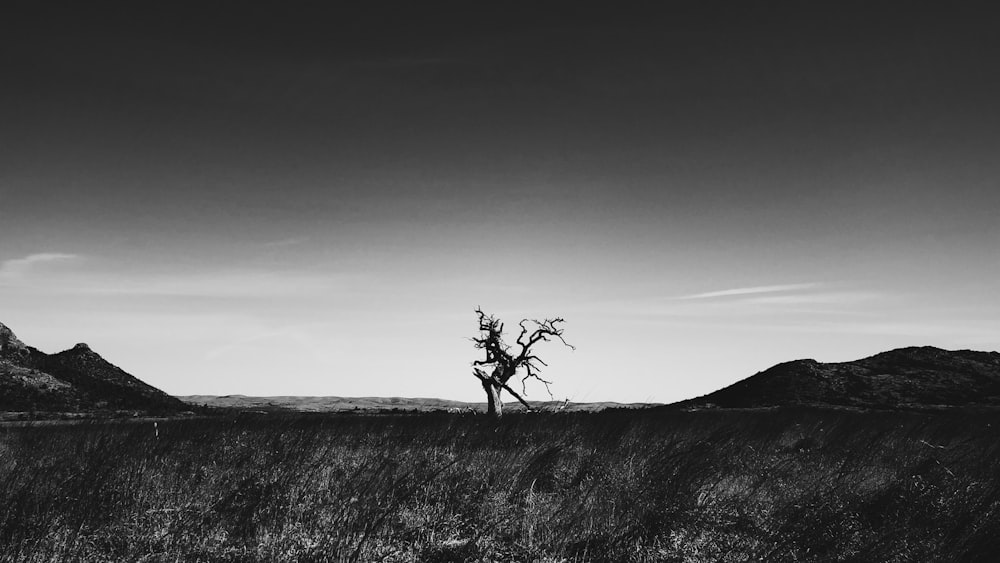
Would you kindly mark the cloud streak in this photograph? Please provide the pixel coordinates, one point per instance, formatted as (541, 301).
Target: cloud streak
(45, 274)
(18, 267)
(756, 290)
(822, 298)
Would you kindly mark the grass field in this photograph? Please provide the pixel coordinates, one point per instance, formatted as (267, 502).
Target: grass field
(780, 485)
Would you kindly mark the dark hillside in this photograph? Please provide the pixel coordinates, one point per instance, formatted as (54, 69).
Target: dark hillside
(76, 380)
(916, 377)
(106, 385)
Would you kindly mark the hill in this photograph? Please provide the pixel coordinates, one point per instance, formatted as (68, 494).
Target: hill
(77, 380)
(915, 377)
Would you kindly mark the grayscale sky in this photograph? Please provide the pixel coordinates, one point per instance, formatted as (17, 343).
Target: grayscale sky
(301, 198)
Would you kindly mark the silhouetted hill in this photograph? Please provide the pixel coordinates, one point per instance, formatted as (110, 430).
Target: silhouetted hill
(913, 377)
(75, 380)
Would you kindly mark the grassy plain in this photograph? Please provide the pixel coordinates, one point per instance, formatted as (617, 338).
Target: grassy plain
(653, 485)
(361, 405)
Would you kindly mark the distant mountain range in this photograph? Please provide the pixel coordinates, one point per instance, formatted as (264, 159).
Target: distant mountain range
(916, 377)
(374, 404)
(77, 380)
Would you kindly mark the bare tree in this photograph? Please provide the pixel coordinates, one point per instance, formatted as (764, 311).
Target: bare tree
(503, 362)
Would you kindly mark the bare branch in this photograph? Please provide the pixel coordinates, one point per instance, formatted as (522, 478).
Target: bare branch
(524, 330)
(532, 375)
(515, 395)
(535, 359)
(505, 364)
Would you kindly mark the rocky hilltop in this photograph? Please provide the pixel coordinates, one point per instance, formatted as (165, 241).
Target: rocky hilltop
(916, 377)
(73, 381)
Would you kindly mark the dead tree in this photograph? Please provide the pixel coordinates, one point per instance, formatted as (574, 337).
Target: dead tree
(502, 362)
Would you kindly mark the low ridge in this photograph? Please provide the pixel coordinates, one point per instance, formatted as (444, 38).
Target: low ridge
(913, 377)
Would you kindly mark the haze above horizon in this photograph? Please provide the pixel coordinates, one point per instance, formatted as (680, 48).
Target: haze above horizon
(299, 199)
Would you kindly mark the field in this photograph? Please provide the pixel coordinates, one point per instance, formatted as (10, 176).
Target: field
(360, 405)
(656, 485)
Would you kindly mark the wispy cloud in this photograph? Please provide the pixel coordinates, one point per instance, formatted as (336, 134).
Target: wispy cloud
(817, 298)
(46, 273)
(18, 267)
(753, 304)
(740, 291)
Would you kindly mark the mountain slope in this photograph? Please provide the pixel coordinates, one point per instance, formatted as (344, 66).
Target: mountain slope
(75, 380)
(906, 377)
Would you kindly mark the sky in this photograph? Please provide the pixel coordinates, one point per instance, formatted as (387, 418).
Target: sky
(308, 198)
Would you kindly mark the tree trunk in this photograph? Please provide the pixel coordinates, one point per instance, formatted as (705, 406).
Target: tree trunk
(494, 405)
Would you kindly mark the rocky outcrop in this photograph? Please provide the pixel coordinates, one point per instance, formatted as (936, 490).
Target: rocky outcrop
(75, 380)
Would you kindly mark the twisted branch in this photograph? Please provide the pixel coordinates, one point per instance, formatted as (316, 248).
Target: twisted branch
(498, 353)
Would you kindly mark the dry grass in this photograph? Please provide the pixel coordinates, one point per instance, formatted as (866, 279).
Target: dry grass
(628, 486)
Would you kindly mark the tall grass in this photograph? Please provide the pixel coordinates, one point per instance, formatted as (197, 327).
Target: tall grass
(629, 486)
